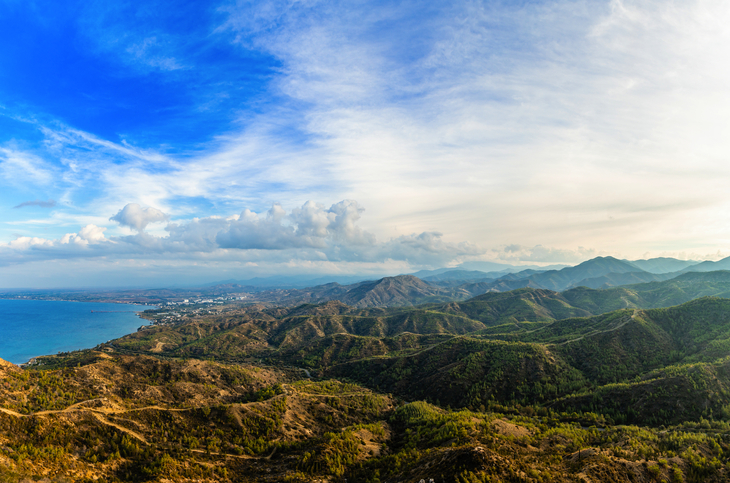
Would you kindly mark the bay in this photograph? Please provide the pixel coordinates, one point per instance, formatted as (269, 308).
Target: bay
(31, 328)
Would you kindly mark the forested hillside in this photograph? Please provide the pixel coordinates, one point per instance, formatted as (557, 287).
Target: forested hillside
(528, 385)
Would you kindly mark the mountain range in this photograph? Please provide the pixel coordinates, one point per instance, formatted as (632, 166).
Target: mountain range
(628, 383)
(457, 285)
(481, 271)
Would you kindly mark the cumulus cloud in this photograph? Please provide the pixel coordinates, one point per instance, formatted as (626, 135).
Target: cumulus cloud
(42, 204)
(428, 248)
(134, 216)
(59, 248)
(311, 226)
(311, 232)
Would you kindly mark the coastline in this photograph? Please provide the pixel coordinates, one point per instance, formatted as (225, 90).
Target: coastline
(90, 301)
(35, 328)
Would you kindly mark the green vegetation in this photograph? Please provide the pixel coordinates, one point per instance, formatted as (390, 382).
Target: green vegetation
(530, 385)
(515, 354)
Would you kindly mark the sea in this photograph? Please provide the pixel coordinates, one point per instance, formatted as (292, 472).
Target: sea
(31, 328)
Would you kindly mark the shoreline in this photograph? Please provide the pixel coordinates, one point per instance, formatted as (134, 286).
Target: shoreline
(80, 321)
(120, 302)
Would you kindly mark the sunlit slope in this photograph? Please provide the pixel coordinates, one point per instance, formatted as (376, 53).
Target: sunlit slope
(522, 305)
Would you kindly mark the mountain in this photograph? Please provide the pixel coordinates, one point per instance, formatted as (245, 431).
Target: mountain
(478, 288)
(522, 305)
(617, 279)
(678, 290)
(540, 391)
(568, 277)
(598, 272)
(407, 290)
(403, 290)
(663, 264)
(559, 362)
(482, 270)
(524, 347)
(709, 266)
(520, 275)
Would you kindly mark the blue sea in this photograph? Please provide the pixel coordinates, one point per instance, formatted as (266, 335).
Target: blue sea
(30, 328)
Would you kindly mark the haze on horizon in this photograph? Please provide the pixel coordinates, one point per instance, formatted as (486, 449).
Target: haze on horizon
(170, 142)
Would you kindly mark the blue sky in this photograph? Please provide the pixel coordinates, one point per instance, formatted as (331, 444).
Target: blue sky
(158, 142)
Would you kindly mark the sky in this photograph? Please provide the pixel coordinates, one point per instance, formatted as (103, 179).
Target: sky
(176, 142)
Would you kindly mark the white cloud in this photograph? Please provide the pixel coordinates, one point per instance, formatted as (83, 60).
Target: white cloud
(311, 232)
(19, 167)
(134, 216)
(92, 233)
(545, 123)
(311, 226)
(549, 124)
(149, 51)
(26, 242)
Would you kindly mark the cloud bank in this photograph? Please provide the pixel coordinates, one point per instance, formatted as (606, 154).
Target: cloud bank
(311, 232)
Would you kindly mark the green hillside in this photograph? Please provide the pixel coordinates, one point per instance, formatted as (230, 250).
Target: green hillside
(499, 349)
(522, 305)
(530, 385)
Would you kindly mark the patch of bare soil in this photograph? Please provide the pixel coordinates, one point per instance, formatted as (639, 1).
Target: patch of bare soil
(509, 429)
(8, 366)
(372, 443)
(158, 347)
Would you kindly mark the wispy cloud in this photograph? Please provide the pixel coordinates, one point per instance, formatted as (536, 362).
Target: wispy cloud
(550, 122)
(19, 167)
(42, 204)
(539, 253)
(552, 125)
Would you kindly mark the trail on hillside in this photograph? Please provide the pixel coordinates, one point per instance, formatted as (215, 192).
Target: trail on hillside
(128, 431)
(595, 332)
(80, 407)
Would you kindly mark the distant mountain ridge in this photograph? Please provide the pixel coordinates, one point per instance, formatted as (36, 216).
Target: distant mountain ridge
(600, 272)
(442, 284)
(555, 277)
(709, 266)
(559, 280)
(663, 264)
(403, 290)
(457, 285)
